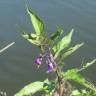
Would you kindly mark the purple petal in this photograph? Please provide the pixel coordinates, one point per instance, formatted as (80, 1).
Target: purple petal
(50, 67)
(38, 61)
(50, 57)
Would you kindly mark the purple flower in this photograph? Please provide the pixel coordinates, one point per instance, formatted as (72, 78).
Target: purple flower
(38, 61)
(51, 57)
(50, 67)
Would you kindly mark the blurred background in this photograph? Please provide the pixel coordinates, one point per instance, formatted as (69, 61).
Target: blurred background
(17, 66)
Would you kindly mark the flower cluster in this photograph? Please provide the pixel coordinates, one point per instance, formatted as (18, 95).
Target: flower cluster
(48, 57)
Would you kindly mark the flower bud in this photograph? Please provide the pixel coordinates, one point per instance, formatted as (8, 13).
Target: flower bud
(50, 67)
(38, 61)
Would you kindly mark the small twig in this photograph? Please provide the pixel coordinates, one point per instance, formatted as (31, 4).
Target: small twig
(6, 47)
(87, 65)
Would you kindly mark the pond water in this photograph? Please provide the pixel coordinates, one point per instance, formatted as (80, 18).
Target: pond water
(17, 63)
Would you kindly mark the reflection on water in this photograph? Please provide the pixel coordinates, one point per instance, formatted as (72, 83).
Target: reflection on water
(16, 63)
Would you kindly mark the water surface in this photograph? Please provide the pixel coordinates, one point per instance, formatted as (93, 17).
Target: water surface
(16, 64)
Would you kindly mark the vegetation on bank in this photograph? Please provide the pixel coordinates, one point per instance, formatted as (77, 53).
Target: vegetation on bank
(54, 51)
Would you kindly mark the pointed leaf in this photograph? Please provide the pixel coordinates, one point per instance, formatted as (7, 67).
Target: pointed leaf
(82, 92)
(74, 75)
(49, 87)
(32, 38)
(57, 34)
(30, 89)
(86, 65)
(71, 50)
(37, 22)
(62, 44)
(36, 40)
(75, 93)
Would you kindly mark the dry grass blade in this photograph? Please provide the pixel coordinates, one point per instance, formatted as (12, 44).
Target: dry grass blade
(6, 47)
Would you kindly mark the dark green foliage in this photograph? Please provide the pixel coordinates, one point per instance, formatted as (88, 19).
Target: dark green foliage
(58, 85)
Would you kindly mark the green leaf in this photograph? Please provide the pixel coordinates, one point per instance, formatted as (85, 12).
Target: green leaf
(82, 92)
(74, 75)
(49, 87)
(86, 65)
(30, 89)
(71, 50)
(62, 44)
(76, 93)
(57, 34)
(36, 40)
(37, 22)
(32, 38)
